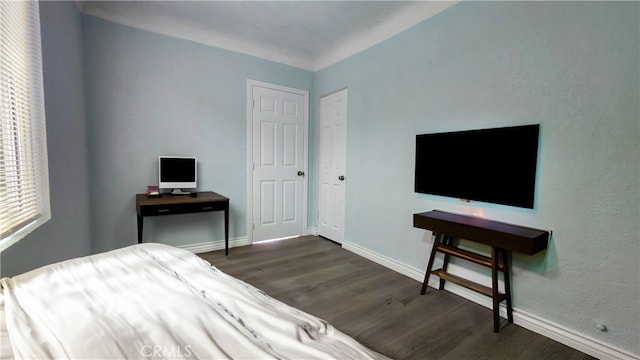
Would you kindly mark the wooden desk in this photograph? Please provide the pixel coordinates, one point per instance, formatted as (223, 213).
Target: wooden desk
(501, 237)
(168, 204)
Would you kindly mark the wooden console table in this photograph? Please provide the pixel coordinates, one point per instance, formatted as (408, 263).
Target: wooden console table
(168, 204)
(501, 237)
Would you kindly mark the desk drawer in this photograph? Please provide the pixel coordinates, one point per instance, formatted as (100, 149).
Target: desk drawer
(172, 209)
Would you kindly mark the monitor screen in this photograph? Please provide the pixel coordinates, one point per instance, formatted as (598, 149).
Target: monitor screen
(177, 172)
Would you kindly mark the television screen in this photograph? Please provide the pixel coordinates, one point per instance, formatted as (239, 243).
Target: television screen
(177, 172)
(495, 165)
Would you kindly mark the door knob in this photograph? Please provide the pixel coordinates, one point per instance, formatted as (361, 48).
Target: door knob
(341, 177)
(300, 173)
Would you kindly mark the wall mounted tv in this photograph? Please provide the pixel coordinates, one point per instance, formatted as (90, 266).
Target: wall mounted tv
(177, 173)
(495, 165)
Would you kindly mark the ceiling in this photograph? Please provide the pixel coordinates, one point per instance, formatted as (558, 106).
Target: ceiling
(306, 34)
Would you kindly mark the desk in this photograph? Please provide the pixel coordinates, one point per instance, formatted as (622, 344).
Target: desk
(501, 237)
(182, 204)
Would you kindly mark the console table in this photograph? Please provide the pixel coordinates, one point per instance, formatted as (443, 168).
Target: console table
(501, 237)
(167, 204)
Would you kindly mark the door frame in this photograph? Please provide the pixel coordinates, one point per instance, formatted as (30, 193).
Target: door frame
(305, 183)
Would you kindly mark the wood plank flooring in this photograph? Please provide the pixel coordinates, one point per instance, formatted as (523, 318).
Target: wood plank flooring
(379, 307)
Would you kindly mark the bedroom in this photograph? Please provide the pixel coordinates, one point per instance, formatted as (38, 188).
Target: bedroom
(572, 67)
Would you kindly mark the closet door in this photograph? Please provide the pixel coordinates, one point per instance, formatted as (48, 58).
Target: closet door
(332, 159)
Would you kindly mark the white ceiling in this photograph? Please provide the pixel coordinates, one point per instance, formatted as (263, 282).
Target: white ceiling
(306, 34)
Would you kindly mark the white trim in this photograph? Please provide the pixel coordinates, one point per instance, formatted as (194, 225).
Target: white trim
(206, 36)
(396, 23)
(250, 160)
(311, 231)
(394, 265)
(305, 184)
(587, 345)
(28, 229)
(214, 245)
(549, 329)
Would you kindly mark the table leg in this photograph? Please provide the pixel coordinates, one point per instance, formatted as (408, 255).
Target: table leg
(140, 225)
(436, 242)
(494, 287)
(507, 284)
(448, 240)
(226, 230)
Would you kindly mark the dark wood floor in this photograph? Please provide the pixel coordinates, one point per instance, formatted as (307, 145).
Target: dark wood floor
(379, 307)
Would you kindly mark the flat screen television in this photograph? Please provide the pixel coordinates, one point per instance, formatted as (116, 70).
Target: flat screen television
(177, 173)
(495, 165)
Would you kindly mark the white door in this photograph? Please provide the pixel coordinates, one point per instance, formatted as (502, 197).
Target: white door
(278, 161)
(332, 159)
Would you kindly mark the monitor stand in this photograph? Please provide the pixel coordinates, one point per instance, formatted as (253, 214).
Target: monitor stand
(179, 192)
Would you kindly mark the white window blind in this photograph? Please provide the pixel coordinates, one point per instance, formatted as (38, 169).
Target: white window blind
(24, 179)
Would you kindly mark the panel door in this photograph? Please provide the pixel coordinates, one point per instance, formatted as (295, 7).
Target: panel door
(332, 160)
(278, 163)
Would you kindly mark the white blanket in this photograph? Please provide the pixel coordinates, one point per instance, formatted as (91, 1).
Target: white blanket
(157, 301)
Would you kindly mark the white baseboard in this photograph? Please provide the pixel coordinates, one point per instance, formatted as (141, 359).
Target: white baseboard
(549, 329)
(587, 345)
(214, 245)
(311, 231)
(385, 261)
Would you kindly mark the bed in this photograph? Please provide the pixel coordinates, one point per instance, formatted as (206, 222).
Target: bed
(156, 301)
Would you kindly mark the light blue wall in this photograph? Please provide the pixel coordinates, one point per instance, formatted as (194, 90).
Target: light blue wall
(67, 234)
(151, 95)
(573, 68)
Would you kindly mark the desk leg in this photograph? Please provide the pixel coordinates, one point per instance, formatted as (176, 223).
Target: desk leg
(226, 230)
(436, 242)
(140, 224)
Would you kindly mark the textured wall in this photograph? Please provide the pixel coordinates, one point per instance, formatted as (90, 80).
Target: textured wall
(571, 67)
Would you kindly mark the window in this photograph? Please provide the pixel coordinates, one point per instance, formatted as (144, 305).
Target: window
(24, 178)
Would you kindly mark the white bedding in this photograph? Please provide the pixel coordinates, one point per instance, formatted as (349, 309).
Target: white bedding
(156, 301)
